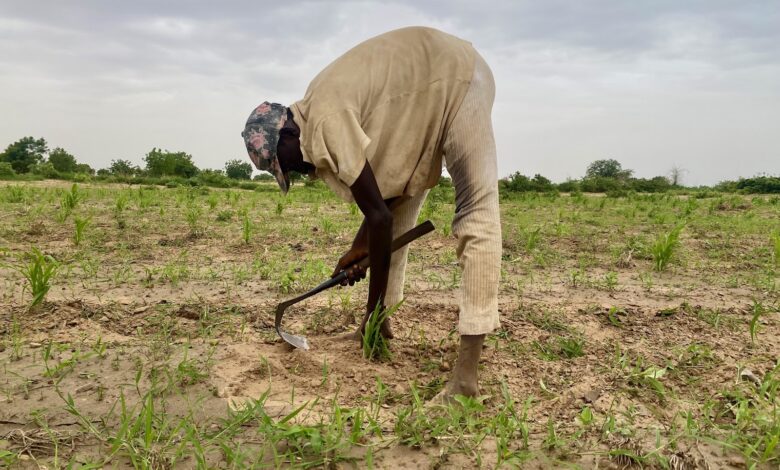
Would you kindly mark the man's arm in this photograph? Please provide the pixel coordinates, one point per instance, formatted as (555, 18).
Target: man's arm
(379, 229)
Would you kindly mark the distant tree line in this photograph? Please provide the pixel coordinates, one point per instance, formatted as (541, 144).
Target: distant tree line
(30, 158)
(609, 176)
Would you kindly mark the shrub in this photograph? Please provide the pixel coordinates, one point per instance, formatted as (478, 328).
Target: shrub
(599, 184)
(24, 153)
(45, 169)
(238, 169)
(62, 161)
(6, 170)
(164, 163)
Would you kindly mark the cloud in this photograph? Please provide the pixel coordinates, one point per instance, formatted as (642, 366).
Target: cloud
(653, 84)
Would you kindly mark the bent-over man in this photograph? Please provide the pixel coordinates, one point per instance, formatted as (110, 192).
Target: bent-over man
(374, 125)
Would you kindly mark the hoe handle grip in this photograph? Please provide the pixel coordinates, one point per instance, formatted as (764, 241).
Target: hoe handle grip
(403, 240)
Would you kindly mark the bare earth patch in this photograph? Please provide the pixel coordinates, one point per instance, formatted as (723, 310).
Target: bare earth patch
(155, 348)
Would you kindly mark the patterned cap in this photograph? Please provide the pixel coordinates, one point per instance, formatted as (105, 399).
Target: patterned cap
(261, 136)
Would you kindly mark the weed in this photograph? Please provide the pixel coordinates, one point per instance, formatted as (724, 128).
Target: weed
(225, 216)
(376, 346)
(120, 204)
(532, 239)
(560, 348)
(15, 194)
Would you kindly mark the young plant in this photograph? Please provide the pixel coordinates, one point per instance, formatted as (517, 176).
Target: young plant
(758, 310)
(78, 234)
(664, 247)
(376, 346)
(246, 229)
(70, 199)
(193, 217)
(39, 269)
(775, 239)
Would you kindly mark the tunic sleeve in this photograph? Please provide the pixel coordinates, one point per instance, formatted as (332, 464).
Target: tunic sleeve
(339, 143)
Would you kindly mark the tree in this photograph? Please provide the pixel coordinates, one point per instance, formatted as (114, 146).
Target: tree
(676, 174)
(263, 176)
(24, 153)
(84, 168)
(609, 168)
(123, 167)
(165, 163)
(238, 169)
(62, 160)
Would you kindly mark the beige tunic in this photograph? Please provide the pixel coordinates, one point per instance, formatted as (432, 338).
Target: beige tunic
(388, 101)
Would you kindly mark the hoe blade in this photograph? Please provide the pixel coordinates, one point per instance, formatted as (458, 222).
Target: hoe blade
(300, 341)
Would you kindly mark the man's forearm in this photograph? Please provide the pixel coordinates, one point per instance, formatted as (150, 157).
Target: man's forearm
(380, 237)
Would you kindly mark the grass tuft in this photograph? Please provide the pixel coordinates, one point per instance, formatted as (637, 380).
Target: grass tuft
(375, 346)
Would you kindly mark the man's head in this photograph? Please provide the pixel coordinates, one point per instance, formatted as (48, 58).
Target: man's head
(261, 136)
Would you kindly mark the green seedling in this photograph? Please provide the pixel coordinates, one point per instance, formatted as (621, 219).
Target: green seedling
(376, 346)
(775, 241)
(246, 229)
(38, 269)
(80, 226)
(193, 218)
(70, 199)
(758, 310)
(664, 247)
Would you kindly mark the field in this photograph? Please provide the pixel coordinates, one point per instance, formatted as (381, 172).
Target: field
(636, 331)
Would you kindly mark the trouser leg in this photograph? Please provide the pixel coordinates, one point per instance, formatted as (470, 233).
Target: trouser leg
(470, 154)
(404, 218)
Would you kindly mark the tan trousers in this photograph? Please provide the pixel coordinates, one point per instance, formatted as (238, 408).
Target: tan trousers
(470, 153)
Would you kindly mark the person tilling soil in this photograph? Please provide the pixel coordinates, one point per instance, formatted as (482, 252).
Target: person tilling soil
(375, 125)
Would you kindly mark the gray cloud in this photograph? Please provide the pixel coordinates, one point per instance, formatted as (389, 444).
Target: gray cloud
(653, 84)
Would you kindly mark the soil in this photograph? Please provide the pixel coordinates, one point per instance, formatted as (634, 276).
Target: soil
(225, 329)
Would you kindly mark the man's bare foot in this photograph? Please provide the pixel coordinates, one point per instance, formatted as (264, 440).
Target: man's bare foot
(349, 336)
(464, 375)
(386, 331)
(447, 395)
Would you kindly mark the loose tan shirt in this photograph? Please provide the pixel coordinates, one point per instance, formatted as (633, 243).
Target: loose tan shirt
(388, 101)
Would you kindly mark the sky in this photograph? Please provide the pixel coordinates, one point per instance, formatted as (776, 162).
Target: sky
(653, 84)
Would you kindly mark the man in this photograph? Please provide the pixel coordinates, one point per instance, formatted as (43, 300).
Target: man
(374, 125)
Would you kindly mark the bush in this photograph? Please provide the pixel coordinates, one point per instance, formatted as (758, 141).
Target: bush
(6, 170)
(45, 169)
(238, 169)
(214, 178)
(517, 182)
(658, 184)
(599, 184)
(264, 177)
(62, 160)
(165, 163)
(569, 186)
(24, 153)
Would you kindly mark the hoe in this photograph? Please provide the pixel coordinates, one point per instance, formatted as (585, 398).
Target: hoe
(300, 341)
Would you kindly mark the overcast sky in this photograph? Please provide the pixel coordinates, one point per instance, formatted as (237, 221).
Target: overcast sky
(652, 84)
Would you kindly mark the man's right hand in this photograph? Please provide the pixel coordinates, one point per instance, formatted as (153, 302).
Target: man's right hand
(349, 262)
